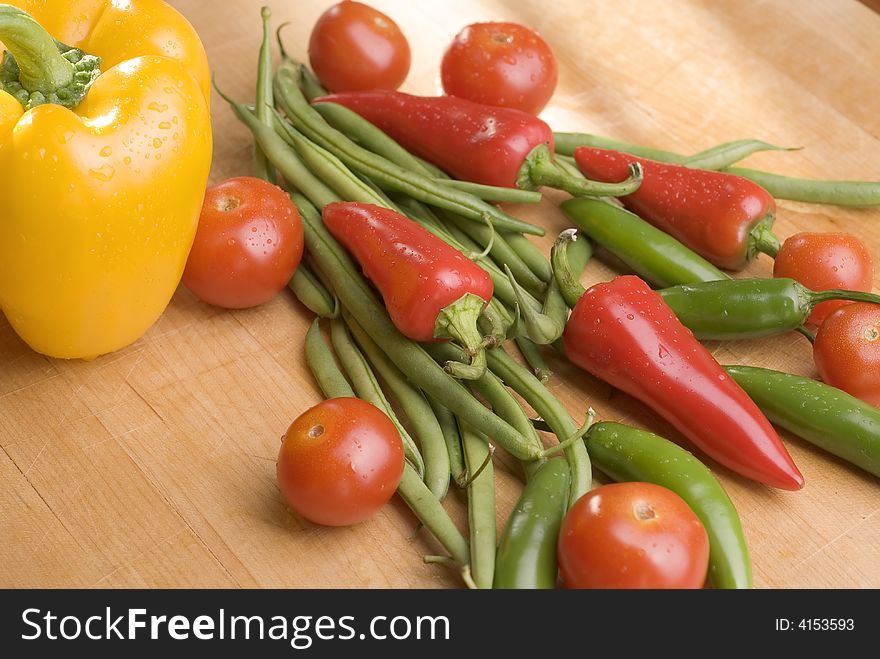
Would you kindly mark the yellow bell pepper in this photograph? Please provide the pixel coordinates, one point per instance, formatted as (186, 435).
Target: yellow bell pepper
(102, 170)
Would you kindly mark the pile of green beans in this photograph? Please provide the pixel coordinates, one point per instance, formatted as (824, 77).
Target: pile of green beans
(448, 427)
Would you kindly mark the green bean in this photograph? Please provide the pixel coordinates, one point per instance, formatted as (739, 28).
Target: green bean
(724, 155)
(311, 292)
(355, 295)
(265, 100)
(430, 512)
(481, 505)
(367, 387)
(359, 130)
(503, 404)
(840, 193)
(491, 192)
(328, 168)
(413, 403)
(567, 143)
(310, 85)
(282, 157)
(323, 367)
(551, 410)
(381, 170)
(568, 165)
(530, 254)
(452, 438)
(501, 251)
(532, 354)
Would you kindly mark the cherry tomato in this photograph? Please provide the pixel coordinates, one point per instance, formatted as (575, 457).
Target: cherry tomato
(632, 535)
(822, 261)
(355, 47)
(847, 351)
(502, 64)
(248, 244)
(340, 462)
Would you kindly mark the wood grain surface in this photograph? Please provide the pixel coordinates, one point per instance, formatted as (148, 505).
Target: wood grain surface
(154, 466)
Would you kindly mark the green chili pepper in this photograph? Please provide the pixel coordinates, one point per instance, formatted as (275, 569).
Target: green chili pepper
(367, 387)
(414, 404)
(533, 391)
(481, 505)
(411, 488)
(381, 170)
(749, 308)
(629, 454)
(527, 551)
(652, 254)
(823, 415)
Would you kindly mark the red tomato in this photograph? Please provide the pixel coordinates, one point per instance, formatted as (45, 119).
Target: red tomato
(632, 535)
(502, 64)
(248, 244)
(340, 462)
(355, 47)
(847, 351)
(822, 261)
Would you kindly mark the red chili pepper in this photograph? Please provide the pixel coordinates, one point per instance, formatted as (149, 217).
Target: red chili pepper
(474, 142)
(431, 290)
(723, 217)
(623, 333)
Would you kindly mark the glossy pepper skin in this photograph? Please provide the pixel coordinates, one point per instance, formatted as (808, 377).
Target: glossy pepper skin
(723, 217)
(417, 274)
(100, 202)
(623, 333)
(470, 141)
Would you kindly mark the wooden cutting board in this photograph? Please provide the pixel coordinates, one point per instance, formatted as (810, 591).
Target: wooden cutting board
(154, 466)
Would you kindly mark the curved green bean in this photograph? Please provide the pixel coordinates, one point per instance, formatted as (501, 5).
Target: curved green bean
(311, 293)
(725, 155)
(323, 367)
(452, 437)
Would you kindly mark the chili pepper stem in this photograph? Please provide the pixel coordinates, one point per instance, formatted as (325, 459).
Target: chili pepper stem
(816, 297)
(41, 72)
(458, 321)
(568, 284)
(762, 239)
(574, 437)
(540, 170)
